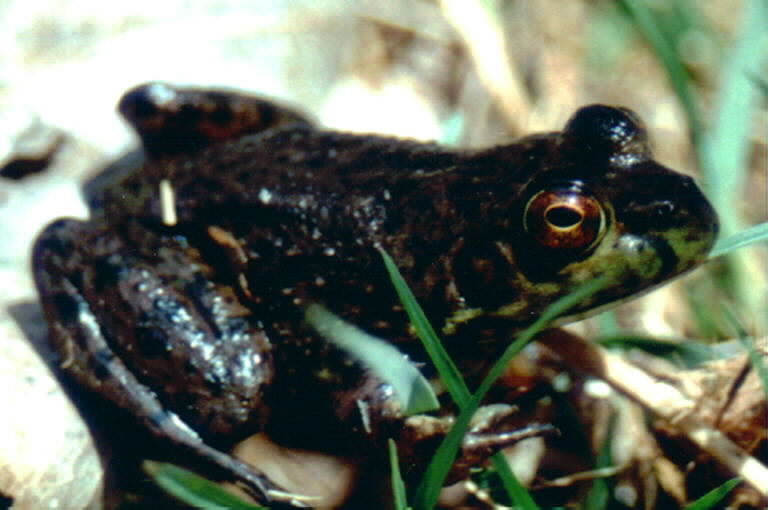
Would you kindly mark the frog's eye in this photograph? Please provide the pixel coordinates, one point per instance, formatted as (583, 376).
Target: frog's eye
(564, 219)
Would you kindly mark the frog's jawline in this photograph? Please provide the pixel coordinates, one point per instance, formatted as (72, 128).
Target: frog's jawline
(569, 318)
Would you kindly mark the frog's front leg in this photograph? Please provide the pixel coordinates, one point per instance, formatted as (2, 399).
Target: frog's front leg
(91, 284)
(350, 410)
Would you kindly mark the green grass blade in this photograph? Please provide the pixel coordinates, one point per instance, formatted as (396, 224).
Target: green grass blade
(713, 497)
(445, 366)
(429, 489)
(762, 85)
(398, 487)
(515, 491)
(727, 145)
(411, 389)
(599, 495)
(193, 489)
(649, 27)
(741, 239)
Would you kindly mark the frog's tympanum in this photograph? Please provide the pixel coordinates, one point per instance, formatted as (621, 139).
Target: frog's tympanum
(182, 300)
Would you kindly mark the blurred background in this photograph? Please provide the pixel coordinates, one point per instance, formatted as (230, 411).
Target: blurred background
(465, 73)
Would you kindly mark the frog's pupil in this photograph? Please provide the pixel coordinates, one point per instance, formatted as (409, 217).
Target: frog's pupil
(563, 217)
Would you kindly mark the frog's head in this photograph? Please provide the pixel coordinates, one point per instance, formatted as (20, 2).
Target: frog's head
(599, 206)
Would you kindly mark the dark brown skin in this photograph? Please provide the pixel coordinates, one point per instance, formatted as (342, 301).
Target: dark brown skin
(196, 322)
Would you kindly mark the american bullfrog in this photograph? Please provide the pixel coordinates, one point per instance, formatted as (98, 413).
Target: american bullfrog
(182, 300)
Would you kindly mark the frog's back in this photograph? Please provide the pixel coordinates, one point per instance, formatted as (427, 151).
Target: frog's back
(300, 163)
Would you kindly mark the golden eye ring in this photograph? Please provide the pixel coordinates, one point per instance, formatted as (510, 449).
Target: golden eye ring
(564, 219)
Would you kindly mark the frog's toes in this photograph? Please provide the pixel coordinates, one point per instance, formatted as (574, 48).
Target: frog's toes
(478, 447)
(492, 428)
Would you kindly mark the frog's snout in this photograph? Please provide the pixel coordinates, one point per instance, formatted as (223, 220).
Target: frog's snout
(672, 224)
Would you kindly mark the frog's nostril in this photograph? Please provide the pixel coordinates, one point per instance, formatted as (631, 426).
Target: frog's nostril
(663, 209)
(654, 215)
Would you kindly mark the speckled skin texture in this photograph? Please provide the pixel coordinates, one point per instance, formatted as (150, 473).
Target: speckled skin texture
(199, 319)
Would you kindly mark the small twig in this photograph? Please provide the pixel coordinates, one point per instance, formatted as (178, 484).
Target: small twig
(732, 390)
(594, 474)
(167, 203)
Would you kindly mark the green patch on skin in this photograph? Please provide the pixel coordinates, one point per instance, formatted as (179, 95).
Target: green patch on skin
(459, 317)
(689, 252)
(512, 309)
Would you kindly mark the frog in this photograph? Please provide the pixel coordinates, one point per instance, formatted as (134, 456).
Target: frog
(183, 299)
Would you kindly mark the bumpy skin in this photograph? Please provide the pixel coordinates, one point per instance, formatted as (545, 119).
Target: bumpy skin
(196, 323)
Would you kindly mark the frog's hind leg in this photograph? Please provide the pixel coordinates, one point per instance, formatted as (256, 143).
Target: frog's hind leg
(87, 356)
